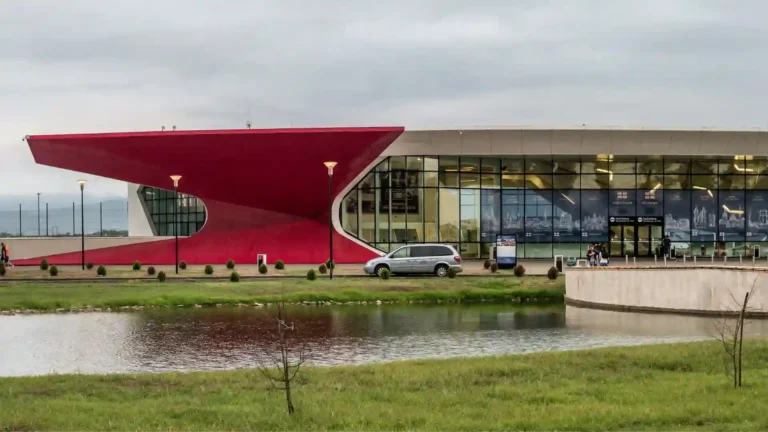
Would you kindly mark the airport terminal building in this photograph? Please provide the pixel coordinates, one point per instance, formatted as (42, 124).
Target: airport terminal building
(248, 192)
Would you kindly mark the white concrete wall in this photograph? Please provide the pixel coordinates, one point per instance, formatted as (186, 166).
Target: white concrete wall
(33, 247)
(692, 289)
(138, 224)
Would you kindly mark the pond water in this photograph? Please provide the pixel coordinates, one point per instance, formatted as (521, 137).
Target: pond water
(214, 339)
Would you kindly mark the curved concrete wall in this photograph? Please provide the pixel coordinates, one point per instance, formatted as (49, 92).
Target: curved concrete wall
(701, 290)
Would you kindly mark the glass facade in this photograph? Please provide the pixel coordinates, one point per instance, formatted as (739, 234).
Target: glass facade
(159, 204)
(559, 205)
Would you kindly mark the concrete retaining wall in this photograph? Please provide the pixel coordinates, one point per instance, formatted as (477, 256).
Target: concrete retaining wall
(701, 290)
(33, 247)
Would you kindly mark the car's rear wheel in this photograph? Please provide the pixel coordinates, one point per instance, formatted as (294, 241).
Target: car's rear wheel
(380, 269)
(441, 270)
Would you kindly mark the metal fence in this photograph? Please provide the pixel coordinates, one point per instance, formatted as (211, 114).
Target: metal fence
(98, 220)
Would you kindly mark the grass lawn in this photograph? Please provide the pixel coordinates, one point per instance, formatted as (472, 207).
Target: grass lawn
(666, 387)
(42, 295)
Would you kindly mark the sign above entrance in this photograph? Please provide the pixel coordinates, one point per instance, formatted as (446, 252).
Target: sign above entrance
(649, 219)
(633, 219)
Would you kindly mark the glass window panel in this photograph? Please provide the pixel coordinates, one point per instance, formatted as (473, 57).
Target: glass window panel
(757, 216)
(470, 164)
(677, 165)
(367, 182)
(704, 215)
(512, 165)
(650, 181)
(490, 201)
(349, 213)
(405, 179)
(757, 182)
(677, 181)
(703, 182)
(382, 215)
(566, 207)
(757, 165)
(541, 165)
(594, 215)
(622, 165)
(366, 215)
(396, 163)
(383, 166)
(512, 211)
(538, 216)
(491, 165)
(469, 180)
(430, 215)
(470, 215)
(566, 165)
(430, 163)
(677, 215)
(566, 181)
(415, 163)
(449, 163)
(448, 179)
(650, 165)
(731, 166)
(731, 211)
(491, 180)
(470, 250)
(622, 181)
(566, 250)
(703, 165)
(415, 219)
(592, 164)
(397, 229)
(622, 203)
(512, 180)
(538, 250)
(732, 182)
(449, 215)
(650, 202)
(382, 179)
(538, 181)
(595, 181)
(430, 179)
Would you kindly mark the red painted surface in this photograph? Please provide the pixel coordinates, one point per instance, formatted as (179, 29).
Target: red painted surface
(266, 191)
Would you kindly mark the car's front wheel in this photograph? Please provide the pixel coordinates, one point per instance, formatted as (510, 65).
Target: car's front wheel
(441, 270)
(380, 269)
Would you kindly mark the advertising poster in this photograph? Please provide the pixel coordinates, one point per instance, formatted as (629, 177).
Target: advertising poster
(512, 209)
(403, 198)
(703, 215)
(732, 221)
(506, 250)
(650, 203)
(538, 216)
(567, 216)
(757, 216)
(677, 219)
(622, 203)
(594, 215)
(490, 215)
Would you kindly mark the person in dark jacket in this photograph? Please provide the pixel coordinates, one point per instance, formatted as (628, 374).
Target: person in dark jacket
(667, 245)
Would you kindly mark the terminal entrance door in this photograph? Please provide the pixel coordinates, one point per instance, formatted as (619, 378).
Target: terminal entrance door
(623, 240)
(649, 238)
(641, 238)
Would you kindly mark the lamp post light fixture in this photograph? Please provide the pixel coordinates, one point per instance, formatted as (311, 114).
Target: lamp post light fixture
(332, 264)
(176, 179)
(82, 223)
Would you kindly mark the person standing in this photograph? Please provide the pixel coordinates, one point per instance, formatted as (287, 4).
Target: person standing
(3, 254)
(667, 244)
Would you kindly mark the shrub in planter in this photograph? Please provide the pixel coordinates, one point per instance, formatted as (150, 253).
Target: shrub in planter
(330, 265)
(263, 269)
(136, 265)
(322, 269)
(44, 265)
(494, 267)
(89, 266)
(487, 264)
(385, 274)
(151, 271)
(279, 265)
(311, 275)
(161, 276)
(183, 265)
(230, 264)
(553, 273)
(235, 276)
(451, 273)
(53, 271)
(209, 269)
(2, 269)
(101, 271)
(519, 270)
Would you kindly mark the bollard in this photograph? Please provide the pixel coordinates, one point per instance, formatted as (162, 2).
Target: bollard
(654, 259)
(626, 260)
(740, 261)
(725, 259)
(634, 261)
(753, 260)
(712, 258)
(665, 260)
(683, 260)
(694, 260)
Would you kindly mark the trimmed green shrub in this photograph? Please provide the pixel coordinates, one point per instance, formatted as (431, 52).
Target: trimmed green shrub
(553, 273)
(101, 271)
(311, 275)
(494, 267)
(330, 265)
(279, 265)
(519, 270)
(183, 265)
(44, 265)
(89, 266)
(53, 271)
(487, 264)
(235, 276)
(451, 273)
(161, 276)
(230, 264)
(322, 269)
(263, 269)
(2, 269)
(209, 269)
(151, 271)
(136, 265)
(385, 274)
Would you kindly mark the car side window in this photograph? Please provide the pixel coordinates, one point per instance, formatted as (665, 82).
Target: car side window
(442, 251)
(402, 253)
(420, 251)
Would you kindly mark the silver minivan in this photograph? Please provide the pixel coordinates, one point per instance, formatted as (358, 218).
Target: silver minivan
(415, 259)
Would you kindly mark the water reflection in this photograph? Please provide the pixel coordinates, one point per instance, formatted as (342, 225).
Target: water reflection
(210, 339)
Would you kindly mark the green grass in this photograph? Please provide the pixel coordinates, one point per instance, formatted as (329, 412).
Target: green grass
(666, 387)
(46, 296)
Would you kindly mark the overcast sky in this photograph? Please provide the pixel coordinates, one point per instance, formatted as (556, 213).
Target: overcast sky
(97, 66)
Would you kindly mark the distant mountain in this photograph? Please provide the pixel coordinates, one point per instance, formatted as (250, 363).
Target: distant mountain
(60, 220)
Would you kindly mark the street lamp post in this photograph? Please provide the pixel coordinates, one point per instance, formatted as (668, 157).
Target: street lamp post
(331, 263)
(38, 214)
(176, 179)
(82, 223)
